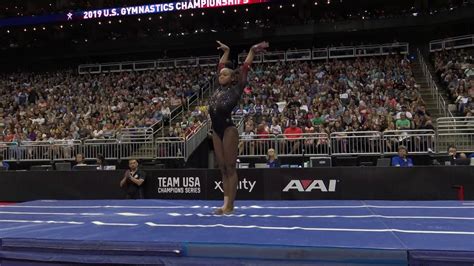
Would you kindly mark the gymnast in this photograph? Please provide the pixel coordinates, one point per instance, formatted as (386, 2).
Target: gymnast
(225, 136)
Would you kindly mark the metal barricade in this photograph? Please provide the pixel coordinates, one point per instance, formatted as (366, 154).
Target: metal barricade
(305, 144)
(457, 131)
(65, 149)
(193, 141)
(416, 141)
(32, 151)
(256, 145)
(354, 142)
(170, 147)
(137, 150)
(109, 148)
(8, 150)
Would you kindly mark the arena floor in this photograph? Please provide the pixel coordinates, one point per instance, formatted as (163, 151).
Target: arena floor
(170, 232)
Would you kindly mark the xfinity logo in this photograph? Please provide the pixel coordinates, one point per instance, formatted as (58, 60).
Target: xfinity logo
(243, 184)
(310, 185)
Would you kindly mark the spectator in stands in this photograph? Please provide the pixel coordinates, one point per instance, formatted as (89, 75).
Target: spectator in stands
(100, 161)
(4, 164)
(80, 159)
(403, 122)
(246, 145)
(272, 159)
(292, 136)
(132, 181)
(453, 153)
(401, 160)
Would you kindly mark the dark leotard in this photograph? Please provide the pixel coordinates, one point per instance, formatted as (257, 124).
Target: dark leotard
(224, 100)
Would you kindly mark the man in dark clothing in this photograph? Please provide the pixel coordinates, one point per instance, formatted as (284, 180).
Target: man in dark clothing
(133, 180)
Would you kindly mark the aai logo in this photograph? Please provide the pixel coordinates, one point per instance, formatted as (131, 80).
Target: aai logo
(310, 185)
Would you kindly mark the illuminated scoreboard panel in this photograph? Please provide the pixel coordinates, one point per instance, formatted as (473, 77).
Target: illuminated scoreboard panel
(159, 8)
(148, 9)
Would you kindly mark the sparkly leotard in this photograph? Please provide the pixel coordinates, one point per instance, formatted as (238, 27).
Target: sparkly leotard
(224, 100)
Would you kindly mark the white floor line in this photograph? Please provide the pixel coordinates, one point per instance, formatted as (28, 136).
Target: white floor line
(322, 216)
(52, 213)
(310, 228)
(41, 222)
(113, 224)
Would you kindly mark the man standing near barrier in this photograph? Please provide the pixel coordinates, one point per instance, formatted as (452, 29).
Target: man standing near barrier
(133, 180)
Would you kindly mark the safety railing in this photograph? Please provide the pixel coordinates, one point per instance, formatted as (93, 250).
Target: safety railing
(8, 150)
(170, 148)
(452, 43)
(148, 65)
(107, 148)
(329, 53)
(65, 149)
(457, 131)
(194, 140)
(137, 150)
(305, 144)
(416, 141)
(367, 142)
(441, 104)
(136, 133)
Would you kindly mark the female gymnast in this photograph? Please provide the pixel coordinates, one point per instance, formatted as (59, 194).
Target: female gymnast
(225, 136)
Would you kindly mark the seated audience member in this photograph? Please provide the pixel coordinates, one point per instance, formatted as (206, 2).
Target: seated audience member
(80, 159)
(101, 163)
(272, 160)
(401, 160)
(3, 163)
(453, 153)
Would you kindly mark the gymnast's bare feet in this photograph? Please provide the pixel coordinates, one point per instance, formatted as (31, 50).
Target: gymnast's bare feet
(224, 210)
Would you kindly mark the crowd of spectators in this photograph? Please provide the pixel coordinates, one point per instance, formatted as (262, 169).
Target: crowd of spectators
(64, 105)
(455, 69)
(365, 94)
